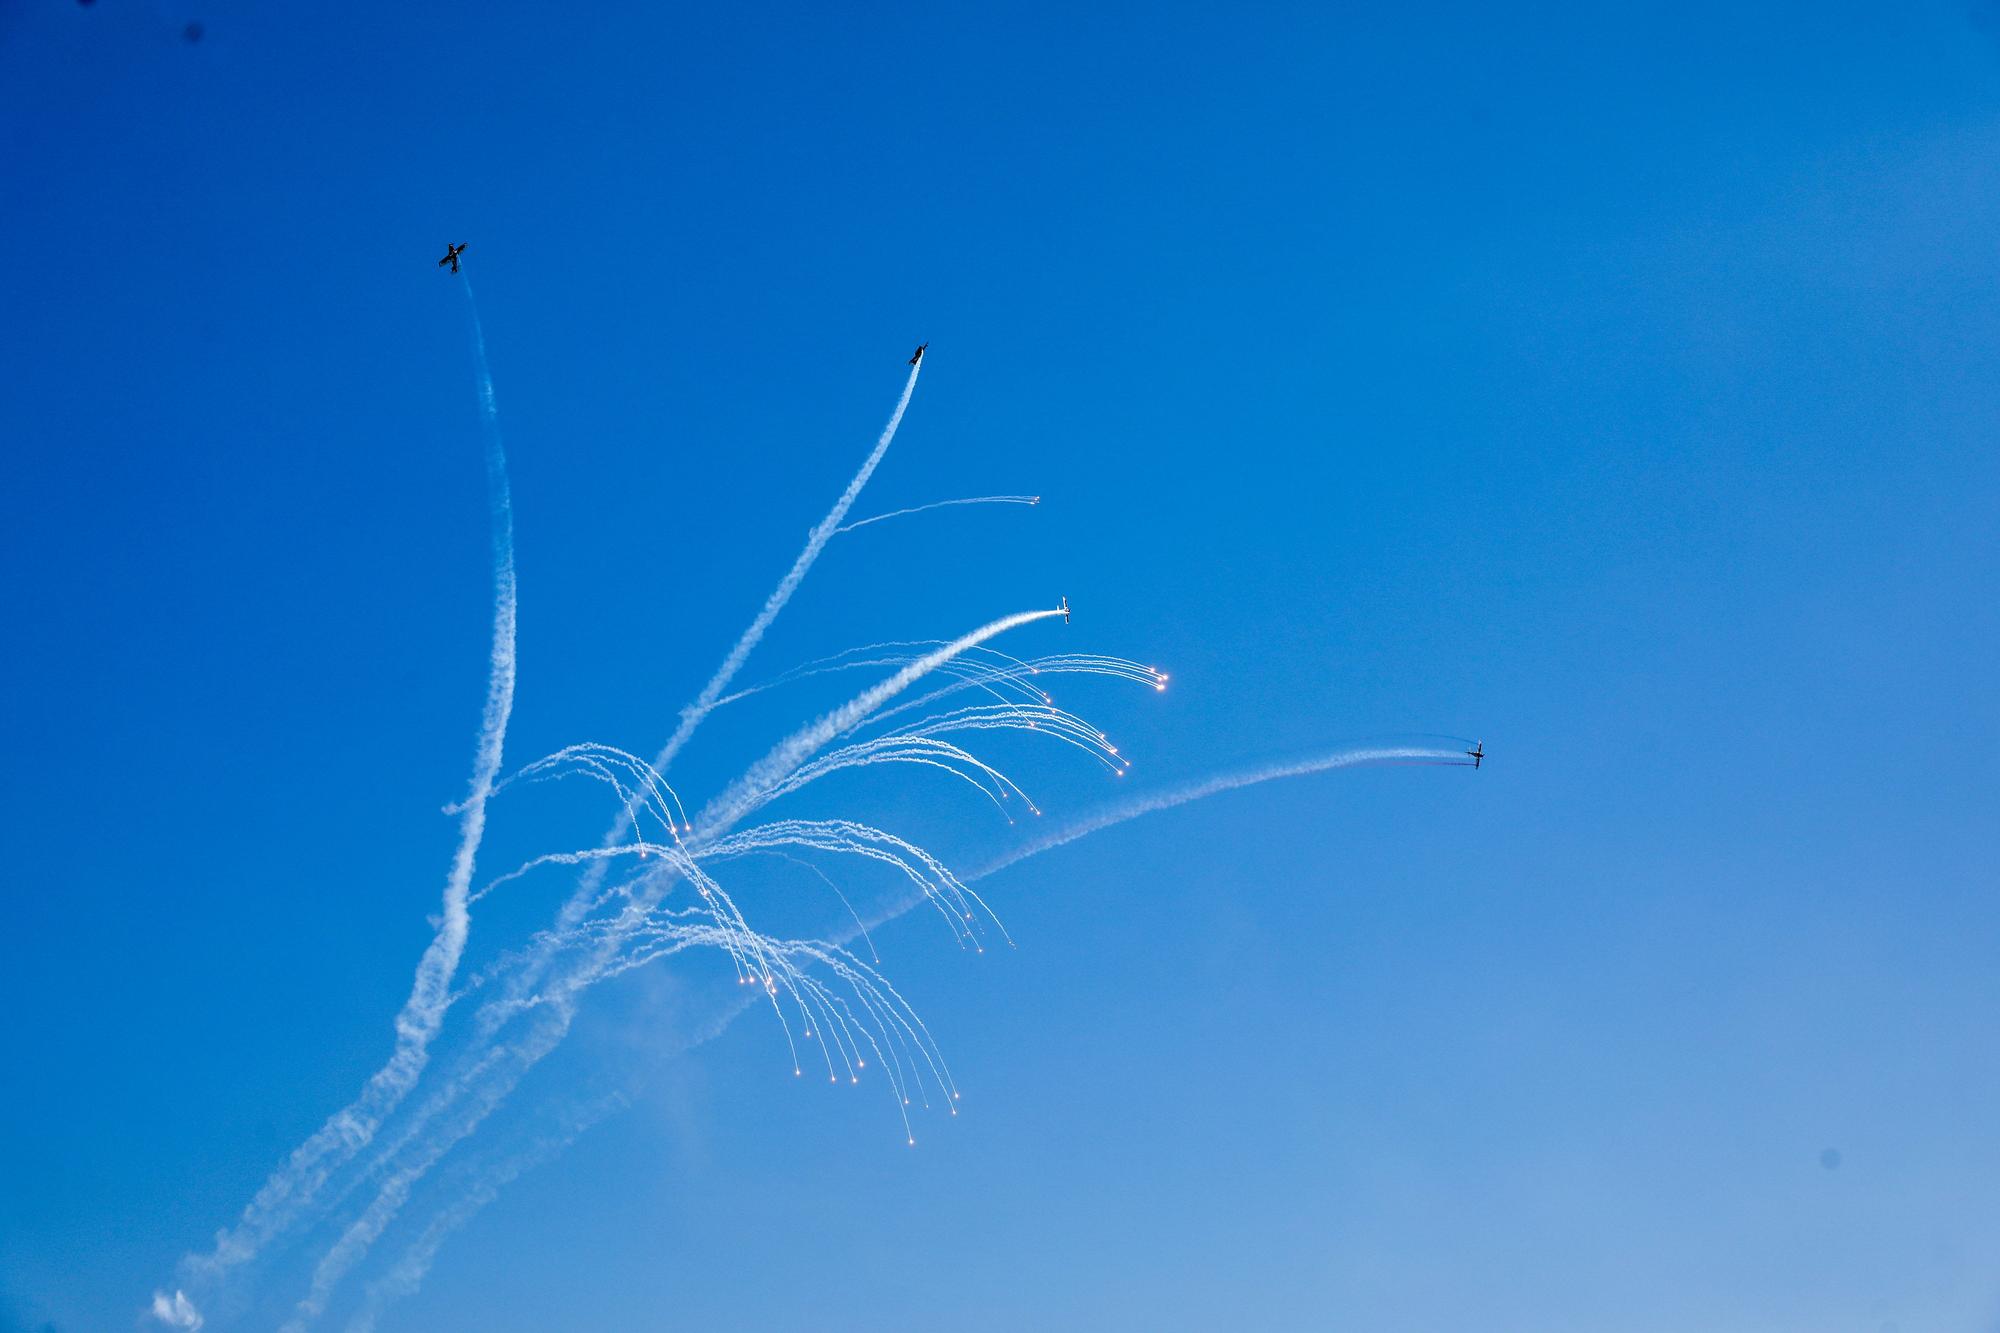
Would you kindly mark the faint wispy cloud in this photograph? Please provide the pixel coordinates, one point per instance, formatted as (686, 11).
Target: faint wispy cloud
(175, 1311)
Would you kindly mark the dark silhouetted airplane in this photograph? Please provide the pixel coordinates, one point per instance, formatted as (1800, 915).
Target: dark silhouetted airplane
(451, 254)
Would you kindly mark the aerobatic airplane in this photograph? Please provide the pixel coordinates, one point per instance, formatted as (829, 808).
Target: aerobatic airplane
(1064, 608)
(451, 254)
(918, 355)
(1477, 753)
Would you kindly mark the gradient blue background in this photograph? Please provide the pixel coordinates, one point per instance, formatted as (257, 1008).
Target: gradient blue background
(1621, 389)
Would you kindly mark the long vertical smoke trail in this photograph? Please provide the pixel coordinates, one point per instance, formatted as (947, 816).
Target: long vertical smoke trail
(487, 1084)
(692, 716)
(405, 1127)
(353, 1131)
(816, 541)
(294, 1185)
(704, 703)
(408, 1272)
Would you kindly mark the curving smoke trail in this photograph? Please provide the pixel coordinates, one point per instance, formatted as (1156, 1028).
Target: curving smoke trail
(1146, 804)
(749, 791)
(295, 1184)
(941, 504)
(533, 967)
(350, 1131)
(406, 1275)
(816, 540)
(458, 1109)
(467, 1100)
(1195, 791)
(695, 713)
(361, 1178)
(472, 1196)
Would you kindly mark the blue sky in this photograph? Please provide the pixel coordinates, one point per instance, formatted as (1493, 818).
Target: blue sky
(1616, 388)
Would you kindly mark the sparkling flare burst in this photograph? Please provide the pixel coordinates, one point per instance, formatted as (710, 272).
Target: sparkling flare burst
(652, 888)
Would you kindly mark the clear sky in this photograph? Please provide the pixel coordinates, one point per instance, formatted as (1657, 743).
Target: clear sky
(1619, 387)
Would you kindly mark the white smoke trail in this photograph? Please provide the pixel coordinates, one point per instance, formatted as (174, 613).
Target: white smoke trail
(490, 1079)
(406, 1275)
(704, 703)
(545, 982)
(531, 967)
(1146, 804)
(361, 1234)
(478, 1092)
(1124, 811)
(942, 504)
(816, 541)
(410, 1269)
(293, 1186)
(749, 791)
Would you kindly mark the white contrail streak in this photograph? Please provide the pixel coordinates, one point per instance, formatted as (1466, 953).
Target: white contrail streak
(585, 895)
(586, 891)
(409, 1271)
(1151, 803)
(408, 1274)
(747, 792)
(816, 541)
(1195, 791)
(293, 1186)
(417, 1109)
(742, 797)
(704, 703)
(1119, 813)
(942, 504)
(1144, 804)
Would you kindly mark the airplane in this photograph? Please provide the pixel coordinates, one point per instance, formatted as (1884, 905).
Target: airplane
(1478, 753)
(1064, 608)
(451, 254)
(918, 355)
